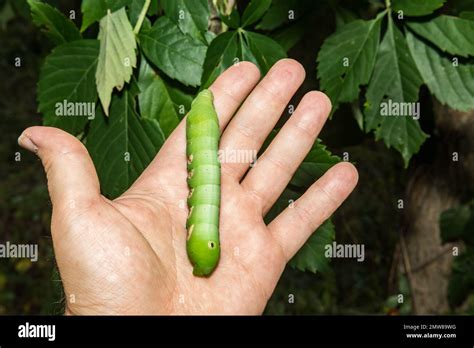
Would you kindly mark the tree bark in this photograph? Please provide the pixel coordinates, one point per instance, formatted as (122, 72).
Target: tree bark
(432, 188)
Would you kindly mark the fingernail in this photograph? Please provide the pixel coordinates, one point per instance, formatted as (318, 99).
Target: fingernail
(25, 141)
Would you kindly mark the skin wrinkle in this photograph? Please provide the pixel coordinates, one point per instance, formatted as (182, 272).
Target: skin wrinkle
(275, 89)
(311, 118)
(285, 255)
(150, 212)
(76, 229)
(304, 214)
(278, 165)
(152, 202)
(90, 302)
(228, 92)
(138, 231)
(234, 257)
(228, 172)
(230, 96)
(320, 188)
(263, 104)
(242, 79)
(253, 280)
(73, 232)
(154, 195)
(304, 217)
(244, 130)
(299, 127)
(123, 289)
(258, 198)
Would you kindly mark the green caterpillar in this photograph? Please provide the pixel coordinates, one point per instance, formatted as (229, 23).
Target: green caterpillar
(204, 182)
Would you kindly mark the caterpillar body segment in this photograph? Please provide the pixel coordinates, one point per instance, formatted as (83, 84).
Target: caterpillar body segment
(204, 182)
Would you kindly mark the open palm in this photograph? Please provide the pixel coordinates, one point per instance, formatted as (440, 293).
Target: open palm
(129, 255)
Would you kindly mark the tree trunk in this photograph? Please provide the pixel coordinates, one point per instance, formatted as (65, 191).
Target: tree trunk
(432, 188)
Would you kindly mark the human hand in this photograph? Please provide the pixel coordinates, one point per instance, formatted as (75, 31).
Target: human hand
(128, 256)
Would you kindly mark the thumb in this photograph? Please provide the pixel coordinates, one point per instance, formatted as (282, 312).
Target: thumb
(72, 179)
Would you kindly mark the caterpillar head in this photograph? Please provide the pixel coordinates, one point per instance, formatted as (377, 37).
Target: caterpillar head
(203, 248)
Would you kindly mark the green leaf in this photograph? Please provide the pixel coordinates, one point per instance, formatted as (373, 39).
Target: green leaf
(266, 51)
(117, 56)
(469, 15)
(392, 302)
(417, 7)
(404, 285)
(21, 7)
(404, 134)
(178, 55)
(461, 283)
(209, 36)
(235, 46)
(449, 80)
(357, 113)
(94, 10)
(68, 75)
(154, 8)
(181, 101)
(451, 34)
(245, 53)
(154, 100)
(192, 16)
(347, 58)
(135, 8)
(316, 163)
(280, 11)
(232, 20)
(286, 198)
(122, 145)
(221, 54)
(311, 257)
(463, 5)
(290, 36)
(254, 11)
(6, 14)
(394, 87)
(58, 28)
(134, 11)
(458, 224)
(343, 16)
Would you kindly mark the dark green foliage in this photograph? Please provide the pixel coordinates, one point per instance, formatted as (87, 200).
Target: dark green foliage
(457, 224)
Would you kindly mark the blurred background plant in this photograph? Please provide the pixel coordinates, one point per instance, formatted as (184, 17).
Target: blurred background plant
(394, 211)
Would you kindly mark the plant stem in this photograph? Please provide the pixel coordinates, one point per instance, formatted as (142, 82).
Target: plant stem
(138, 26)
(388, 3)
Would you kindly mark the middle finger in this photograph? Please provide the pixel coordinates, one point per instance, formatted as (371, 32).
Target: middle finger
(259, 113)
